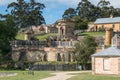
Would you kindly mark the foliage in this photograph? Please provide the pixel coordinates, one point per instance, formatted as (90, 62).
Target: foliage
(107, 10)
(89, 76)
(23, 75)
(103, 3)
(86, 10)
(69, 13)
(80, 23)
(84, 49)
(7, 34)
(26, 14)
(104, 8)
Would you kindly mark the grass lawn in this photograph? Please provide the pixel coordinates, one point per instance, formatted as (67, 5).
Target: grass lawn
(89, 76)
(20, 36)
(23, 75)
(43, 37)
(94, 34)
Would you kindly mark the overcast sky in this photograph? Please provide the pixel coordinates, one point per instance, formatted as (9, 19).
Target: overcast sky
(55, 8)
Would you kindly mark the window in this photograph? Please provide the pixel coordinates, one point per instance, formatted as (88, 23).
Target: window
(106, 64)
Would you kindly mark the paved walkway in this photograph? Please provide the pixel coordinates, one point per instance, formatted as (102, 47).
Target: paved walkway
(6, 74)
(63, 75)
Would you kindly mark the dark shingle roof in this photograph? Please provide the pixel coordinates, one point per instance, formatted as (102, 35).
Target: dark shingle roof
(107, 20)
(111, 51)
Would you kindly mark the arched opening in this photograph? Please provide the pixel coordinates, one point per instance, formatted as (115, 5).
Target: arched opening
(61, 30)
(59, 57)
(39, 57)
(63, 58)
(69, 57)
(45, 57)
(73, 57)
(22, 56)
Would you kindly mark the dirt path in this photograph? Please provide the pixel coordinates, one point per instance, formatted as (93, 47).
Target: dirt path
(63, 75)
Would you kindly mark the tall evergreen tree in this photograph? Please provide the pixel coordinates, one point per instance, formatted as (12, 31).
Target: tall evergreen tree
(69, 13)
(26, 14)
(117, 12)
(104, 8)
(107, 9)
(85, 9)
(103, 3)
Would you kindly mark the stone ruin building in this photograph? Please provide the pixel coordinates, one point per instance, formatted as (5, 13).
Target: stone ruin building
(58, 49)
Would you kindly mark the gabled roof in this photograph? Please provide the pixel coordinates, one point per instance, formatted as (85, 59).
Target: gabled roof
(111, 51)
(117, 35)
(107, 20)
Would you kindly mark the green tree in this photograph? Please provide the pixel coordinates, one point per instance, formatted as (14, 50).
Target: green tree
(116, 12)
(7, 33)
(84, 49)
(80, 24)
(103, 3)
(107, 10)
(85, 10)
(69, 13)
(26, 14)
(104, 8)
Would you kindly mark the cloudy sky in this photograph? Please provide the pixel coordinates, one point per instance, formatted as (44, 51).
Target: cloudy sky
(55, 8)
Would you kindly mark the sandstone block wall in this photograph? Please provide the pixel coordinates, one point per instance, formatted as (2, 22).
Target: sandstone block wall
(98, 65)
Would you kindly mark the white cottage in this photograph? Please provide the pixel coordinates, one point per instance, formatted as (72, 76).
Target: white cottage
(108, 60)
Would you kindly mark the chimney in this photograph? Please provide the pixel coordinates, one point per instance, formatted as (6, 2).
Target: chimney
(111, 16)
(103, 47)
(108, 36)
